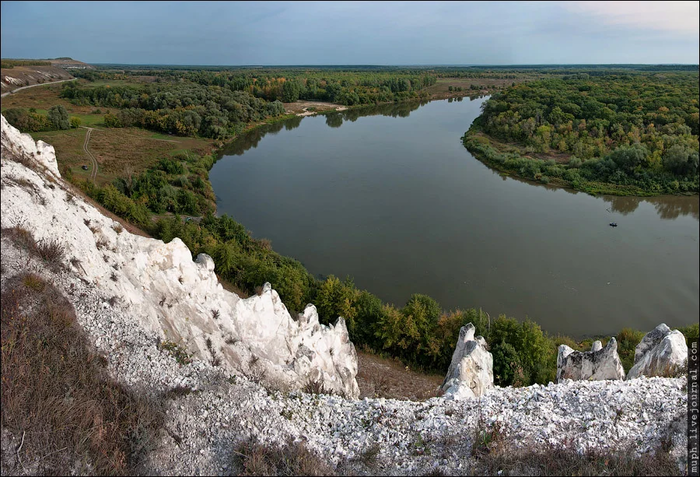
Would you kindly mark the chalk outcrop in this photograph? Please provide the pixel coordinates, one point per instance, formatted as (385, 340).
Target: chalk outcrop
(662, 352)
(471, 371)
(595, 365)
(177, 297)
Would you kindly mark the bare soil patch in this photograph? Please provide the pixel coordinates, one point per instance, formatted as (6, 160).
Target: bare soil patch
(389, 378)
(307, 108)
(19, 76)
(558, 157)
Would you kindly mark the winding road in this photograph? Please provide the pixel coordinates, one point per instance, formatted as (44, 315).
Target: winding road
(33, 85)
(93, 173)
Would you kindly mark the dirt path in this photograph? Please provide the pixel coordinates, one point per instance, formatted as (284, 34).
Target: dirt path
(33, 85)
(93, 173)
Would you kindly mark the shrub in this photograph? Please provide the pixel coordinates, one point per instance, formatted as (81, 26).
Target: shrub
(627, 341)
(22, 237)
(690, 333)
(112, 121)
(51, 251)
(335, 298)
(293, 458)
(58, 117)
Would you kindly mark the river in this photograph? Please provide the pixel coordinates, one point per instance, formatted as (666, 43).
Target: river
(389, 196)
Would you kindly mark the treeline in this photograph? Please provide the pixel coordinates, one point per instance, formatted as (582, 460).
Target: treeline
(7, 63)
(635, 131)
(28, 120)
(351, 86)
(419, 333)
(344, 87)
(184, 109)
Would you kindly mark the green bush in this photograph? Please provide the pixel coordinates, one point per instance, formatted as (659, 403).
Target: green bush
(691, 333)
(58, 117)
(627, 341)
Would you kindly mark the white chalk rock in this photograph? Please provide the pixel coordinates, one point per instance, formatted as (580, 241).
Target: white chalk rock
(23, 145)
(595, 365)
(471, 371)
(661, 352)
(179, 298)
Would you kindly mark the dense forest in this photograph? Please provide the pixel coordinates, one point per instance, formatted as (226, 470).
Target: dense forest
(219, 104)
(637, 132)
(348, 87)
(186, 109)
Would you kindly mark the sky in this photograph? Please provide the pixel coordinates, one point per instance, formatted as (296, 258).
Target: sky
(353, 33)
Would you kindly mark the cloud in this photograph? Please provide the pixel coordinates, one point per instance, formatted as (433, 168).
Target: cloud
(675, 17)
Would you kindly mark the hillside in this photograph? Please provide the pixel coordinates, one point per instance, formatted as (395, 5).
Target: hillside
(217, 384)
(16, 74)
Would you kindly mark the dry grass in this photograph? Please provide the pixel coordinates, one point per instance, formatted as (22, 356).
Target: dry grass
(255, 458)
(315, 387)
(57, 394)
(389, 378)
(51, 251)
(69, 149)
(41, 97)
(553, 461)
(495, 455)
(119, 149)
(21, 236)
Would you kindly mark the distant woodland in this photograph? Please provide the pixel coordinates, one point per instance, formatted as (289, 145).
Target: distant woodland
(636, 132)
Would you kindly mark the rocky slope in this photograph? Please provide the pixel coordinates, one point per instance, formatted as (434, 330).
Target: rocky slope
(132, 294)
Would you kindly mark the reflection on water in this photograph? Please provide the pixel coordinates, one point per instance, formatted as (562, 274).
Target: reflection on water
(623, 205)
(667, 206)
(334, 119)
(672, 207)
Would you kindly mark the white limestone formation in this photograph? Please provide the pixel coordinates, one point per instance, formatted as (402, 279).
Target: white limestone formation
(595, 365)
(24, 146)
(661, 352)
(471, 371)
(179, 298)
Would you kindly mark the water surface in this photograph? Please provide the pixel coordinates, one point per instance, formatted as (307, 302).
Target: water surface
(391, 197)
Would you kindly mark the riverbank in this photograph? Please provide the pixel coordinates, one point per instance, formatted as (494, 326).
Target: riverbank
(510, 160)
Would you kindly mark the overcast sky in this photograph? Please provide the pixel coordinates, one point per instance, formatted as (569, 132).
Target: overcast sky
(352, 33)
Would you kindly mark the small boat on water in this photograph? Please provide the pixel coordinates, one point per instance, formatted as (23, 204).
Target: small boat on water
(613, 224)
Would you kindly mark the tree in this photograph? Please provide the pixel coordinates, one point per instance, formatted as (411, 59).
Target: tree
(290, 91)
(629, 157)
(677, 159)
(75, 122)
(112, 121)
(58, 117)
